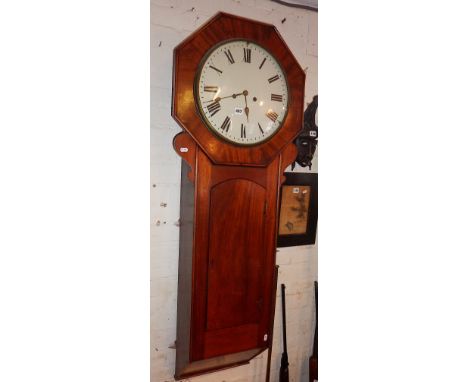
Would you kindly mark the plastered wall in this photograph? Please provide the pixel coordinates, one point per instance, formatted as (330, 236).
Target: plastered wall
(171, 22)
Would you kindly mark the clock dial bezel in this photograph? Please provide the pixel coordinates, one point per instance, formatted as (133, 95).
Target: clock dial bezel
(199, 107)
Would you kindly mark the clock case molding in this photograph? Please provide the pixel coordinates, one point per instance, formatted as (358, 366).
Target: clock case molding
(228, 212)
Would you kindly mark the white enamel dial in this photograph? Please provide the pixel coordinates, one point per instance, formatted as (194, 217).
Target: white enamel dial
(242, 92)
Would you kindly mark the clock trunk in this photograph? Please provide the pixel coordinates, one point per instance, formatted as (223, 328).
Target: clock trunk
(227, 260)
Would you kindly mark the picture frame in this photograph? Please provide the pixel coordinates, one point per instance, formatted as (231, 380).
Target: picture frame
(298, 212)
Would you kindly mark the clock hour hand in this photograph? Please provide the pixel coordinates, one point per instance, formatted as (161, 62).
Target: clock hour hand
(245, 93)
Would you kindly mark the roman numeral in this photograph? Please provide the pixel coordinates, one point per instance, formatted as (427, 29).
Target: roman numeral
(273, 79)
(219, 71)
(213, 108)
(260, 127)
(247, 55)
(226, 124)
(272, 115)
(277, 97)
(211, 89)
(229, 56)
(243, 135)
(262, 63)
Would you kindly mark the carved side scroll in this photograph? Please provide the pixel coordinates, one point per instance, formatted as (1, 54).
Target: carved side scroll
(186, 148)
(288, 156)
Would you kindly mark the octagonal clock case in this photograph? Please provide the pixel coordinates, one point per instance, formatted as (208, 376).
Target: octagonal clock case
(238, 94)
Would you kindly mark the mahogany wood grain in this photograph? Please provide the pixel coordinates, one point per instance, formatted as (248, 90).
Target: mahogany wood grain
(220, 324)
(288, 156)
(247, 198)
(235, 256)
(185, 146)
(187, 56)
(229, 212)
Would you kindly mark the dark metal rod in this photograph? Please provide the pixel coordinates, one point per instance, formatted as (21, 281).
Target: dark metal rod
(283, 288)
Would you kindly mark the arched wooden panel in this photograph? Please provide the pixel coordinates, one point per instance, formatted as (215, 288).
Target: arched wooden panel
(235, 259)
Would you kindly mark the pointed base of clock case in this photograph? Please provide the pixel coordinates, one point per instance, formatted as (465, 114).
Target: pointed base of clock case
(192, 369)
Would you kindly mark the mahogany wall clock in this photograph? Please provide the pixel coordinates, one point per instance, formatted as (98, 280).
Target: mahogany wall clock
(238, 94)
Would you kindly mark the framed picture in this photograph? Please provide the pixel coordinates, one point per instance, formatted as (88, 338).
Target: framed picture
(298, 210)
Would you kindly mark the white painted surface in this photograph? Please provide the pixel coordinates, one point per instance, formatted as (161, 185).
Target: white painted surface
(236, 78)
(171, 22)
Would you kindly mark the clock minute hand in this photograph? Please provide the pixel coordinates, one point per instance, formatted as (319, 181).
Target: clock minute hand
(217, 99)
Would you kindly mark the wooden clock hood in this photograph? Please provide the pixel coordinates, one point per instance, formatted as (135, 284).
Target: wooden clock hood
(187, 57)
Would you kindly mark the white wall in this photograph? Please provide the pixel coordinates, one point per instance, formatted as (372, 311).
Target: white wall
(171, 22)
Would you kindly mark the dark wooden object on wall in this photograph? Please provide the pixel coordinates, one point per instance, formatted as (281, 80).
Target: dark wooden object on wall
(306, 142)
(229, 212)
